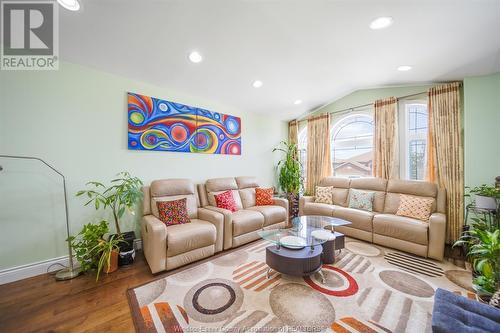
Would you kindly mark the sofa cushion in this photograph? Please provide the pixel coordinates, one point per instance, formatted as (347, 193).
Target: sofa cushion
(264, 196)
(400, 227)
(247, 196)
(315, 208)
(272, 214)
(186, 237)
(191, 204)
(361, 199)
(236, 197)
(173, 212)
(377, 185)
(392, 201)
(324, 194)
(360, 219)
(246, 182)
(225, 200)
(245, 221)
(415, 207)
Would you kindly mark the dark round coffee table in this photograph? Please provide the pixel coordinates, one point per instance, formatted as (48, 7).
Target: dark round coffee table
(304, 248)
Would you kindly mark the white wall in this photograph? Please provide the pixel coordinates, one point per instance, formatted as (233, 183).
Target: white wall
(76, 119)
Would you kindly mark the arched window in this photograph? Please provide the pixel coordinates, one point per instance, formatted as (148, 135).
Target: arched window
(352, 145)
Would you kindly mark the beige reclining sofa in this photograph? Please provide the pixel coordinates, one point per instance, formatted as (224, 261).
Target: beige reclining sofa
(382, 225)
(241, 227)
(175, 246)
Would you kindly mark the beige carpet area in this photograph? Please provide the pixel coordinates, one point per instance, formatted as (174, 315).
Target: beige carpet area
(369, 289)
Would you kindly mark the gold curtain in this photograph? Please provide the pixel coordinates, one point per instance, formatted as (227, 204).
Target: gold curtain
(319, 163)
(293, 132)
(385, 161)
(445, 165)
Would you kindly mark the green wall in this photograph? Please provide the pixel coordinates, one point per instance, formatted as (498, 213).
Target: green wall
(482, 129)
(76, 119)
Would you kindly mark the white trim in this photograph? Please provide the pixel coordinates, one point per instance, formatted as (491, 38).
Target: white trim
(37, 268)
(29, 270)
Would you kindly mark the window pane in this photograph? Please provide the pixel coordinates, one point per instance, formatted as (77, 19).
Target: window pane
(416, 159)
(352, 146)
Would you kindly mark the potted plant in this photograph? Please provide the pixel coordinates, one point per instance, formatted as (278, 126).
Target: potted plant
(107, 252)
(485, 196)
(483, 248)
(121, 195)
(290, 178)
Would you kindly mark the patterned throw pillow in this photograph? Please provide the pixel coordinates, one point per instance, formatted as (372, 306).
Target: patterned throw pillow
(361, 200)
(264, 196)
(173, 212)
(415, 207)
(226, 200)
(324, 195)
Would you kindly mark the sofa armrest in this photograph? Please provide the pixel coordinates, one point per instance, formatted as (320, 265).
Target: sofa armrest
(228, 225)
(302, 201)
(282, 202)
(154, 242)
(437, 236)
(217, 219)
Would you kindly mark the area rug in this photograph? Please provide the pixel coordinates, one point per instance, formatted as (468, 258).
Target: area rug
(369, 289)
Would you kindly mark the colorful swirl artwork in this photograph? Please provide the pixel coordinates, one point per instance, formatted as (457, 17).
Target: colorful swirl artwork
(156, 124)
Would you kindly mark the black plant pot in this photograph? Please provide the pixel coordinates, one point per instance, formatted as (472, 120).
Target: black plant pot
(127, 251)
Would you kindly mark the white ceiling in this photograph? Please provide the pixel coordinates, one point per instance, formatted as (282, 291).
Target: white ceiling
(313, 50)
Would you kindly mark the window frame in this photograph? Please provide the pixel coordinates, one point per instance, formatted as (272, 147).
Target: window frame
(404, 138)
(336, 125)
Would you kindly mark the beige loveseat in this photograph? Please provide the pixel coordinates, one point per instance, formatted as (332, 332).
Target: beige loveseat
(175, 246)
(241, 227)
(382, 225)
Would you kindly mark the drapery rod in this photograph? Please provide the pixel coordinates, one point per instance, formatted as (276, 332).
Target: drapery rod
(365, 105)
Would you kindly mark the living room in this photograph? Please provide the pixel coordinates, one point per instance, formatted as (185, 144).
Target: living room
(295, 166)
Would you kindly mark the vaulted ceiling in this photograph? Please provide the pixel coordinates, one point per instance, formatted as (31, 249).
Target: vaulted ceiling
(312, 50)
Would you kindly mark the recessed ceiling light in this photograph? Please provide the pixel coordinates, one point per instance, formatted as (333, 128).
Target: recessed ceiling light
(257, 84)
(72, 5)
(195, 57)
(404, 68)
(381, 23)
(297, 102)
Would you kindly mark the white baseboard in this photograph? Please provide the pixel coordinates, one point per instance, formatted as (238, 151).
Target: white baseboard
(37, 268)
(29, 270)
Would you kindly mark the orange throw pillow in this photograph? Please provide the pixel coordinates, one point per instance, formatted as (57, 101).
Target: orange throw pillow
(264, 196)
(415, 207)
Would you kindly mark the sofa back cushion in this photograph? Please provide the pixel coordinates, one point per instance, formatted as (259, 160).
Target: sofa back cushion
(218, 185)
(376, 185)
(396, 187)
(246, 182)
(173, 189)
(247, 196)
(340, 192)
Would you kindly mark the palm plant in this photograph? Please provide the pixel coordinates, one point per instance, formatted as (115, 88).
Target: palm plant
(290, 177)
(123, 194)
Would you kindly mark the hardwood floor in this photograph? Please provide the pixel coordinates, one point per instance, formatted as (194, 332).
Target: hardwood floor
(40, 304)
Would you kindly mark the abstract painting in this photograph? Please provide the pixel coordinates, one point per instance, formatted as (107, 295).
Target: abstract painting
(156, 124)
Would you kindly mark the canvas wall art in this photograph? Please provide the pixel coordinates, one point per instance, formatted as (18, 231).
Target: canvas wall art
(156, 124)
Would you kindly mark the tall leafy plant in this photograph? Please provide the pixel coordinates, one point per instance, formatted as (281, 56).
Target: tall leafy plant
(122, 194)
(483, 248)
(290, 178)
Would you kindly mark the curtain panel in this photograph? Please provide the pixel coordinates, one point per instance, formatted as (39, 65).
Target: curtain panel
(445, 165)
(319, 164)
(385, 141)
(293, 132)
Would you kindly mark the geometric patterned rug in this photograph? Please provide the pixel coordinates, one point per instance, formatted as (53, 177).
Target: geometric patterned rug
(368, 289)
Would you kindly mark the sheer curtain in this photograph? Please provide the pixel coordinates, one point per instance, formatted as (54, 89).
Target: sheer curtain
(319, 164)
(385, 141)
(445, 164)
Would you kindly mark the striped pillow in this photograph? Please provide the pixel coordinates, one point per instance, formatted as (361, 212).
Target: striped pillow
(415, 207)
